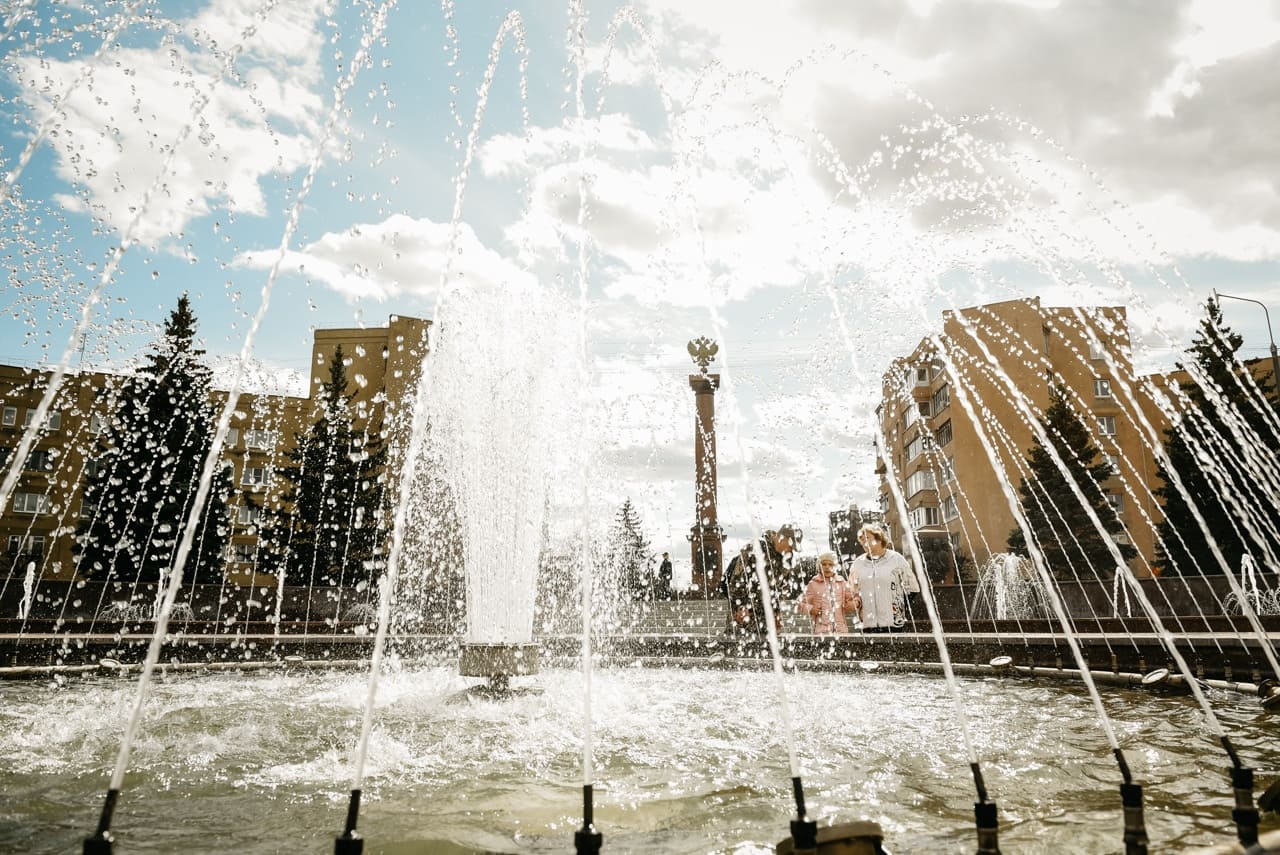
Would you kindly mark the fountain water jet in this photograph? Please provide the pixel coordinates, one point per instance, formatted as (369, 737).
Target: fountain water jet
(497, 428)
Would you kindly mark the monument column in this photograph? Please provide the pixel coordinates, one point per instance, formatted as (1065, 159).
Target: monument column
(706, 538)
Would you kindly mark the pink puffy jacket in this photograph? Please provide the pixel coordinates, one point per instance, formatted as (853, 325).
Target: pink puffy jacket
(832, 600)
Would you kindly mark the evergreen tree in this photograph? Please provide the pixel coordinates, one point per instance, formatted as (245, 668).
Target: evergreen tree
(628, 556)
(329, 528)
(1202, 439)
(1071, 544)
(148, 468)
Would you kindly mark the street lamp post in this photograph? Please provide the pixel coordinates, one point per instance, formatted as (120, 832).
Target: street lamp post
(1275, 361)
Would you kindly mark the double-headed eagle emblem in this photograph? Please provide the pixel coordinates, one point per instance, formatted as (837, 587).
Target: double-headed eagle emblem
(703, 350)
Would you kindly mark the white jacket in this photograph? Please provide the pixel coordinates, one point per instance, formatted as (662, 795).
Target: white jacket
(883, 583)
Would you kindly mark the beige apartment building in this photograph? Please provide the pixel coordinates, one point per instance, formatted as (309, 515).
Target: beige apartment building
(957, 437)
(38, 523)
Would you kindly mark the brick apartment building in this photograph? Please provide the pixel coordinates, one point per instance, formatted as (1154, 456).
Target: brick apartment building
(951, 408)
(37, 525)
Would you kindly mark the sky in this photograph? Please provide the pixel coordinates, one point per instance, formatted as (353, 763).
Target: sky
(811, 183)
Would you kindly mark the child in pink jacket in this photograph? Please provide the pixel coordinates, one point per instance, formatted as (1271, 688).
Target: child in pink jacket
(828, 598)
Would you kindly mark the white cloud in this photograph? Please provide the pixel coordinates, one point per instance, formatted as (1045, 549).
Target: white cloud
(116, 128)
(400, 255)
(506, 154)
(1087, 75)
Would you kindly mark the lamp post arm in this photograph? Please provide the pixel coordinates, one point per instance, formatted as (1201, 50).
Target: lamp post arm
(1275, 359)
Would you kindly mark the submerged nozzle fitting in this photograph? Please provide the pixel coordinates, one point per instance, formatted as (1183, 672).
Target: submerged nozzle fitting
(350, 842)
(984, 814)
(804, 831)
(1269, 692)
(1135, 827)
(1244, 813)
(586, 840)
(101, 842)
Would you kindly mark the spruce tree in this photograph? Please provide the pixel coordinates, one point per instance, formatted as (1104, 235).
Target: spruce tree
(328, 528)
(1072, 546)
(148, 466)
(1201, 438)
(628, 555)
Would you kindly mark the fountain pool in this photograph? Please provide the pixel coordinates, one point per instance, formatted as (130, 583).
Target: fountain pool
(688, 760)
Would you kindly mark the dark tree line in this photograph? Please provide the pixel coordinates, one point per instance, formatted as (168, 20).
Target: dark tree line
(328, 526)
(1223, 450)
(1217, 489)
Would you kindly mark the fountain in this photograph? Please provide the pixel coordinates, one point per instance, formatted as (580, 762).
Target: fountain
(545, 394)
(1008, 590)
(496, 421)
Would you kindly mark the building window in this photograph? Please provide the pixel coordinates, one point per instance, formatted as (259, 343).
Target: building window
(255, 475)
(1113, 463)
(1095, 350)
(40, 461)
(52, 422)
(921, 479)
(1116, 501)
(249, 514)
(948, 469)
(941, 399)
(922, 375)
(97, 424)
(242, 553)
(909, 417)
(943, 434)
(30, 503)
(9, 417)
(233, 437)
(949, 508)
(924, 516)
(1102, 388)
(924, 408)
(92, 469)
(261, 439)
(915, 448)
(30, 545)
(88, 510)
(1107, 425)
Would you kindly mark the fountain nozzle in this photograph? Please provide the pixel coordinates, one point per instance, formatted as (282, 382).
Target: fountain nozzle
(1244, 813)
(586, 840)
(1269, 691)
(101, 842)
(1135, 827)
(988, 826)
(350, 842)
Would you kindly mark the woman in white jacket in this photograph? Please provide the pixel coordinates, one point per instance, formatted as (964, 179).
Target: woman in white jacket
(883, 579)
